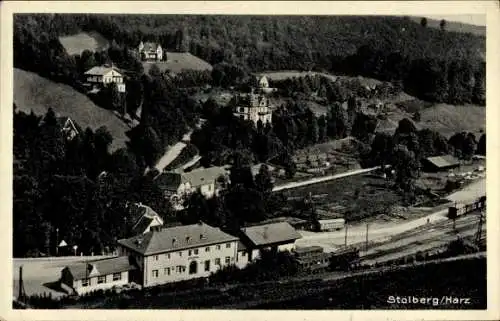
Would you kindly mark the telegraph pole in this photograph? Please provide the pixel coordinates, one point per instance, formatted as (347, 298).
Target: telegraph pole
(345, 240)
(21, 294)
(366, 245)
(479, 228)
(57, 241)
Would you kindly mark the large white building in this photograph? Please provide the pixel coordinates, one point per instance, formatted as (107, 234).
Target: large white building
(254, 107)
(179, 253)
(171, 254)
(150, 51)
(104, 75)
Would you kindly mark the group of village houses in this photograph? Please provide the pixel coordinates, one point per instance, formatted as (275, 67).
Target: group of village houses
(254, 106)
(158, 254)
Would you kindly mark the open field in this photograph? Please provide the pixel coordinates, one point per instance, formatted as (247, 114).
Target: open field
(449, 119)
(38, 94)
(40, 271)
(285, 74)
(179, 61)
(76, 44)
(359, 196)
(454, 26)
(444, 118)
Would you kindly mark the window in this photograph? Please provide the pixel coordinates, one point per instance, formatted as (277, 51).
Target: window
(180, 268)
(155, 273)
(85, 282)
(218, 247)
(196, 252)
(156, 257)
(228, 245)
(228, 259)
(180, 253)
(190, 252)
(207, 249)
(168, 255)
(217, 261)
(117, 276)
(101, 279)
(166, 271)
(244, 253)
(207, 265)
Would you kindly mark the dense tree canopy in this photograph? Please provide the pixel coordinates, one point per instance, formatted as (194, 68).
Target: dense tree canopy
(389, 48)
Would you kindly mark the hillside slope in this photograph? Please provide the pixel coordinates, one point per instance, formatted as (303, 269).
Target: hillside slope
(453, 26)
(179, 61)
(32, 92)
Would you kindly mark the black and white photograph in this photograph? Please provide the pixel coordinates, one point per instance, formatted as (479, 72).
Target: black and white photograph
(169, 161)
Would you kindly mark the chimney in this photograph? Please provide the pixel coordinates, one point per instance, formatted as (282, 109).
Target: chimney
(265, 232)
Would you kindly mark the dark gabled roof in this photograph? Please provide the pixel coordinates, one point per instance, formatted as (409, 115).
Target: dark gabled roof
(138, 210)
(100, 267)
(142, 224)
(176, 238)
(268, 234)
(443, 161)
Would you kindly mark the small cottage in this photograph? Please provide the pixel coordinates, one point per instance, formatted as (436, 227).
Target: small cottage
(96, 275)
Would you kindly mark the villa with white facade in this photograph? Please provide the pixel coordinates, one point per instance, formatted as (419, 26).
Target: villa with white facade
(105, 75)
(254, 107)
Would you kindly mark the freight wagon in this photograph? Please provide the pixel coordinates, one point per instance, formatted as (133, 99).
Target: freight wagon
(329, 225)
(462, 209)
(312, 259)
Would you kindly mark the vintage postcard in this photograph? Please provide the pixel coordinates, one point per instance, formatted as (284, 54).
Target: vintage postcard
(250, 160)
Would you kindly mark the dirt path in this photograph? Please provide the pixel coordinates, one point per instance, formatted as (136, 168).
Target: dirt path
(322, 179)
(169, 156)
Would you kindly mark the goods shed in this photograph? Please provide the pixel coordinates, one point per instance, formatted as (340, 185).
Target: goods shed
(440, 163)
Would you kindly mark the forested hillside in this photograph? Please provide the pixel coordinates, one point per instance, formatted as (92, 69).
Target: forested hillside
(433, 64)
(78, 190)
